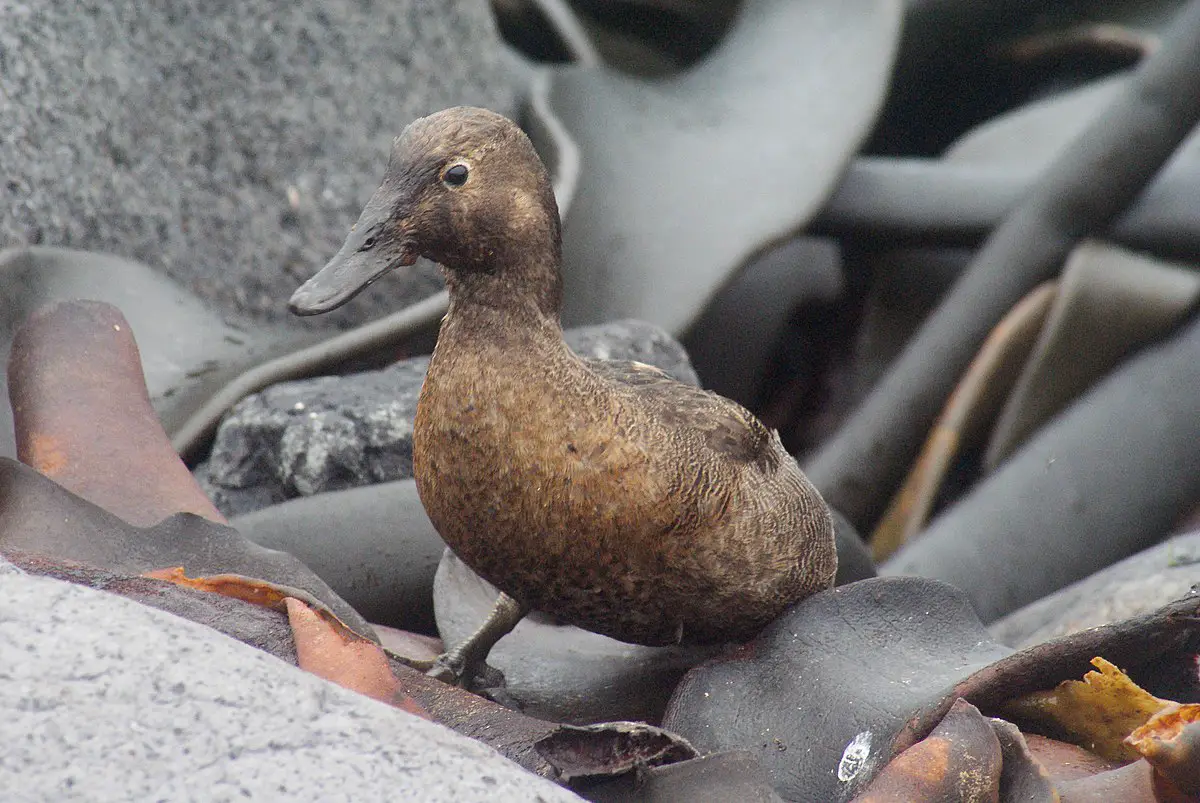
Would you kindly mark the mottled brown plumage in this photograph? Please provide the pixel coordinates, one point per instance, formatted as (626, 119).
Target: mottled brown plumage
(604, 493)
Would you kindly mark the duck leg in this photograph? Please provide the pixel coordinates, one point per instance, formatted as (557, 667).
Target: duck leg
(466, 661)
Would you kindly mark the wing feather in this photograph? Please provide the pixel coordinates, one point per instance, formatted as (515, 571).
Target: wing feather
(731, 431)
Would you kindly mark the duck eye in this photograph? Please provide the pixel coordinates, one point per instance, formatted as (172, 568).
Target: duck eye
(455, 175)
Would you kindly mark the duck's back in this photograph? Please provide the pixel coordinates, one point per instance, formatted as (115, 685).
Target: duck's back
(614, 497)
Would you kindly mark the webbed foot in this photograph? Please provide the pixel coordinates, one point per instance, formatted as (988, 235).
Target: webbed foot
(466, 664)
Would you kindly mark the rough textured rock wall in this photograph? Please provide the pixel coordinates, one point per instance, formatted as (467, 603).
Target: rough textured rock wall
(229, 144)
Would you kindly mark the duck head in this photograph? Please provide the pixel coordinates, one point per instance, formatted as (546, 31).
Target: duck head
(464, 188)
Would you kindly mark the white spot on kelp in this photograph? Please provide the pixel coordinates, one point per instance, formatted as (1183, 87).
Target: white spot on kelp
(854, 757)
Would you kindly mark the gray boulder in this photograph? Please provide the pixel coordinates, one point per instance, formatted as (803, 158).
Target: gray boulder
(229, 144)
(106, 699)
(326, 434)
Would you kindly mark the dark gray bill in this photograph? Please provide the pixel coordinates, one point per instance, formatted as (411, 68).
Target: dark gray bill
(346, 275)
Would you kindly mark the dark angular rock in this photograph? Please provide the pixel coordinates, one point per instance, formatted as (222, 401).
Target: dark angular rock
(302, 438)
(229, 144)
(323, 434)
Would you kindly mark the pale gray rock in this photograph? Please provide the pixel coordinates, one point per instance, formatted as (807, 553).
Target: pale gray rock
(229, 144)
(104, 699)
(331, 433)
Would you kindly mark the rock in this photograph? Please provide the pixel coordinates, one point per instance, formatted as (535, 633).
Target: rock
(260, 627)
(105, 699)
(301, 438)
(310, 436)
(229, 145)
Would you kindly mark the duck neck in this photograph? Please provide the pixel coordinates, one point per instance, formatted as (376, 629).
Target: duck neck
(516, 298)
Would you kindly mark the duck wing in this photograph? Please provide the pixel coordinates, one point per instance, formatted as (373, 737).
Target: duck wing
(729, 430)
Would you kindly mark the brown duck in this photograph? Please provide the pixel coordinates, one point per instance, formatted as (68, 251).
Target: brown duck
(605, 493)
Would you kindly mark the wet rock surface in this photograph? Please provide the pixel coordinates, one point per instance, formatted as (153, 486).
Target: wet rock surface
(303, 438)
(229, 146)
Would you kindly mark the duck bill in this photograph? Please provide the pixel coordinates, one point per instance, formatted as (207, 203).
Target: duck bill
(346, 275)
